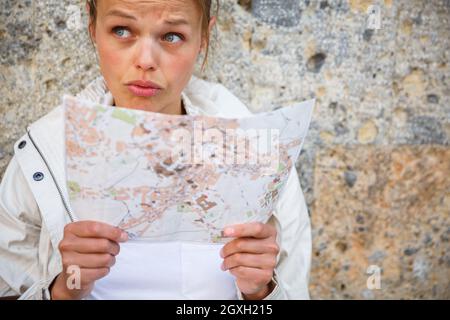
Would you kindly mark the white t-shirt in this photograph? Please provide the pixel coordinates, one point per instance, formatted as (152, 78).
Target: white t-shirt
(166, 270)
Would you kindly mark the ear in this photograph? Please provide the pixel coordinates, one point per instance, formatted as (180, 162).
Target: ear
(91, 26)
(92, 32)
(212, 22)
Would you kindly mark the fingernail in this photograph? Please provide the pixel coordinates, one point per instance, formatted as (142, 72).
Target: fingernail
(222, 266)
(229, 232)
(123, 236)
(221, 252)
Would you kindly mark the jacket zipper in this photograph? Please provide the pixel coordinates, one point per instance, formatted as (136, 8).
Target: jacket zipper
(53, 177)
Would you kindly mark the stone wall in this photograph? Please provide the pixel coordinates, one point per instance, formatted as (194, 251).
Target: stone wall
(376, 162)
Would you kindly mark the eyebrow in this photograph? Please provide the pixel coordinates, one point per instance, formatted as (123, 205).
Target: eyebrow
(173, 22)
(119, 13)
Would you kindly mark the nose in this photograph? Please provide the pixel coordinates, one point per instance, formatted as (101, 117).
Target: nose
(147, 54)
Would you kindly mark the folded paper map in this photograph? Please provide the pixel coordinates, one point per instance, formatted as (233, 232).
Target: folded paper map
(178, 177)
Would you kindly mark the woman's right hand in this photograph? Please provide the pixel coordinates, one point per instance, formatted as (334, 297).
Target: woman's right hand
(90, 246)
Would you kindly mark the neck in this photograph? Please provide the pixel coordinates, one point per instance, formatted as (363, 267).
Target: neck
(175, 109)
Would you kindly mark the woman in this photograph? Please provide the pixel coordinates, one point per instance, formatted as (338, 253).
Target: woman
(147, 51)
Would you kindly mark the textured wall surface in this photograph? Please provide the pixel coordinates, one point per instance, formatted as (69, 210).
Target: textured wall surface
(375, 167)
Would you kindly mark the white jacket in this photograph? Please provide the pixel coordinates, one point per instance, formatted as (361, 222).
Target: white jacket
(33, 199)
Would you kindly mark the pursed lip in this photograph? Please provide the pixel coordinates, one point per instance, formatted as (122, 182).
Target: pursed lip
(144, 84)
(143, 88)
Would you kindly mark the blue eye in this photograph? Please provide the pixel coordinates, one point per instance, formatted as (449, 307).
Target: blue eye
(173, 37)
(120, 31)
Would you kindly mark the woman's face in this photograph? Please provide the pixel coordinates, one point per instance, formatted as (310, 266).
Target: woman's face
(156, 41)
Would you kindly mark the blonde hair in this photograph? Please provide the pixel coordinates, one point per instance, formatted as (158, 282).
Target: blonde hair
(205, 8)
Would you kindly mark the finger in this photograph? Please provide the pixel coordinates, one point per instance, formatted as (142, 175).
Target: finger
(89, 245)
(104, 260)
(259, 261)
(95, 229)
(252, 229)
(249, 245)
(253, 275)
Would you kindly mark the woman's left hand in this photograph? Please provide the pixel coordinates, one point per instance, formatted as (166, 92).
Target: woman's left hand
(251, 257)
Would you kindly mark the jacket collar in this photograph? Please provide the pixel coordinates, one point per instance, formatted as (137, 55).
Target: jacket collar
(200, 97)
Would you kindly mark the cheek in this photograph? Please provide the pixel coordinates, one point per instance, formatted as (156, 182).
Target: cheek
(180, 67)
(110, 56)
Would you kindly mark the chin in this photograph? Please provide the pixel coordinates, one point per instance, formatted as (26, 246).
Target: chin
(146, 108)
(138, 103)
